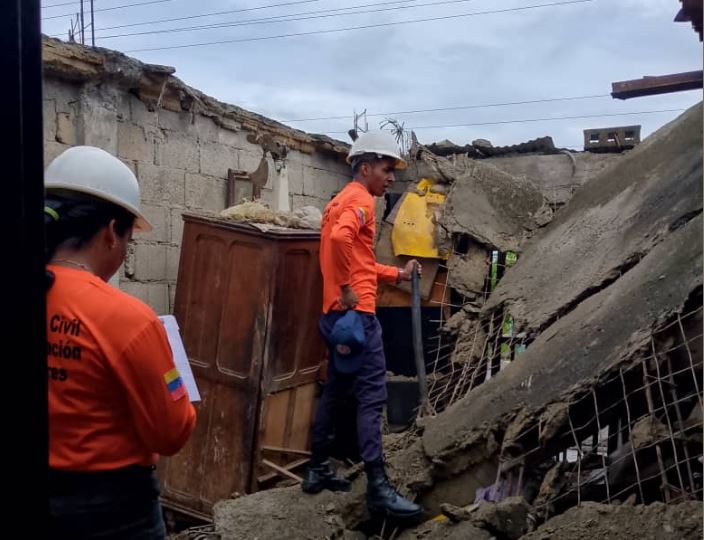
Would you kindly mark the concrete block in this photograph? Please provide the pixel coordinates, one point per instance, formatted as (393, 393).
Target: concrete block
(178, 151)
(159, 217)
(155, 295)
(134, 143)
(238, 138)
(229, 133)
(53, 149)
(66, 132)
(206, 129)
(249, 161)
(205, 192)
(64, 94)
(161, 184)
(149, 262)
(139, 114)
(49, 119)
(295, 177)
(174, 121)
(173, 253)
(322, 183)
(299, 201)
(176, 225)
(97, 123)
(321, 161)
(216, 159)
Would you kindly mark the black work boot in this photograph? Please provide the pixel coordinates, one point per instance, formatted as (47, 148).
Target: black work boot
(385, 500)
(320, 476)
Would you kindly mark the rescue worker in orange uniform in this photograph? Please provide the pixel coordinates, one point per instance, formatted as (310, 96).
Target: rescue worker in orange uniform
(116, 400)
(349, 325)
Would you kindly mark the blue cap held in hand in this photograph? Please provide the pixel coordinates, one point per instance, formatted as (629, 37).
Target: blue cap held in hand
(347, 338)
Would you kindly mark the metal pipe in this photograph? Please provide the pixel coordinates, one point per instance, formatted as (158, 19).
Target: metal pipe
(92, 23)
(83, 27)
(418, 339)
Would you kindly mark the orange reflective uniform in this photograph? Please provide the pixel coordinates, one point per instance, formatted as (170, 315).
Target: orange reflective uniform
(347, 249)
(114, 395)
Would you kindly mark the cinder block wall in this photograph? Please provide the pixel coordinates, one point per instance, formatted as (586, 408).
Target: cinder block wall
(181, 162)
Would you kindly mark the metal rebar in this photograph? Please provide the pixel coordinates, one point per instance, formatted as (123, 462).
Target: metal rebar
(633, 452)
(680, 421)
(667, 415)
(579, 461)
(603, 457)
(691, 361)
(658, 450)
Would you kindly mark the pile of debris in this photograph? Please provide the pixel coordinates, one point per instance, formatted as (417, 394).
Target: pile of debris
(603, 403)
(307, 217)
(482, 148)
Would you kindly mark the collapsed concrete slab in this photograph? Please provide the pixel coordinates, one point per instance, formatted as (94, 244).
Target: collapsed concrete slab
(493, 207)
(607, 329)
(283, 513)
(623, 522)
(609, 225)
(610, 329)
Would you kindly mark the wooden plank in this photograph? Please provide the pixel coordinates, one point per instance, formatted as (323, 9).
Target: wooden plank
(385, 255)
(664, 84)
(286, 450)
(282, 470)
(270, 476)
(391, 296)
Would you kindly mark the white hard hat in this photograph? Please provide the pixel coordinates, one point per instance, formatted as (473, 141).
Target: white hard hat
(90, 170)
(380, 143)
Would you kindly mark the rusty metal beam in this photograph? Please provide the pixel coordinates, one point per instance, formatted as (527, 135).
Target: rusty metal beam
(649, 86)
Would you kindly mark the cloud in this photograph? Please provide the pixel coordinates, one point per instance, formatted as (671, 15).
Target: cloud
(555, 51)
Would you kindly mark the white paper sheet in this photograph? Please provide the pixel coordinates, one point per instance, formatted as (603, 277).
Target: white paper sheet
(180, 357)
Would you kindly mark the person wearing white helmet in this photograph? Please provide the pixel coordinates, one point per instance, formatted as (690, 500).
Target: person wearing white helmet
(350, 328)
(116, 400)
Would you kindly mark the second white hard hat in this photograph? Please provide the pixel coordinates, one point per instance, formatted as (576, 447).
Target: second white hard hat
(91, 170)
(380, 143)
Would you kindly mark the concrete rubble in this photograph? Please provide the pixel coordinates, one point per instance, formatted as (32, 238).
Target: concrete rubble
(494, 208)
(307, 217)
(598, 289)
(481, 148)
(622, 522)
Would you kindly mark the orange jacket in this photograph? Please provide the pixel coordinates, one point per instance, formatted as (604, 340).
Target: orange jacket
(109, 363)
(347, 249)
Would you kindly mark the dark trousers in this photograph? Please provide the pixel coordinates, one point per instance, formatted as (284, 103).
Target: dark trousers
(121, 504)
(368, 385)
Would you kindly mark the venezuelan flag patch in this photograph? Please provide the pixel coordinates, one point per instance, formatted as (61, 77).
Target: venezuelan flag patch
(174, 383)
(362, 214)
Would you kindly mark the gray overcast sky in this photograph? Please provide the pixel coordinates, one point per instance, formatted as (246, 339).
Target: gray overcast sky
(555, 51)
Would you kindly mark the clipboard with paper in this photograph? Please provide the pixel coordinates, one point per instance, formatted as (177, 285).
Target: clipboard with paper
(180, 357)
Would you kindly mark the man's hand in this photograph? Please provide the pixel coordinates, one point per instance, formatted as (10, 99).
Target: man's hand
(348, 298)
(406, 273)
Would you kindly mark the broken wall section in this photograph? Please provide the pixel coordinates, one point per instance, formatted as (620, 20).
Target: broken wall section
(180, 145)
(558, 176)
